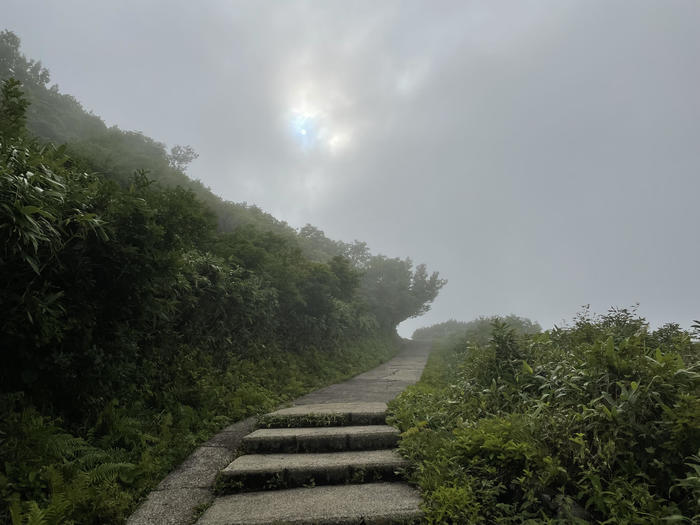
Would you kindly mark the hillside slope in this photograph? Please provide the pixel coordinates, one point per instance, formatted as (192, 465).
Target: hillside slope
(142, 313)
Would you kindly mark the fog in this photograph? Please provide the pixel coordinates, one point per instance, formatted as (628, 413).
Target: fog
(539, 155)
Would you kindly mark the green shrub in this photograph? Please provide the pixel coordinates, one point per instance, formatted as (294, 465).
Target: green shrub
(596, 423)
(52, 475)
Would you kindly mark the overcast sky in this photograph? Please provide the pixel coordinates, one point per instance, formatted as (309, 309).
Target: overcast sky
(539, 155)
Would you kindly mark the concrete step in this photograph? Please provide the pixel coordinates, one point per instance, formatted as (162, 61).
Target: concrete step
(275, 471)
(370, 504)
(326, 415)
(321, 439)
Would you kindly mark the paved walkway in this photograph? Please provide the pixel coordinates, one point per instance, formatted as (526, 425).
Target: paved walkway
(381, 384)
(177, 497)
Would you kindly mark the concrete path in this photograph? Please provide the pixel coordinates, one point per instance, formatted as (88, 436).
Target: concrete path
(189, 488)
(381, 384)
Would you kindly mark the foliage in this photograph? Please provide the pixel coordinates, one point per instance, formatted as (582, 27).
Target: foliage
(478, 330)
(594, 423)
(13, 108)
(133, 443)
(394, 292)
(181, 156)
(391, 288)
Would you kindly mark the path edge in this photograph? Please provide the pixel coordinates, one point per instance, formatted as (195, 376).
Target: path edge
(177, 498)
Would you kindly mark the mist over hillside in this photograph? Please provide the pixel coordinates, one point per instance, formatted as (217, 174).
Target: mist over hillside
(211, 210)
(142, 313)
(537, 168)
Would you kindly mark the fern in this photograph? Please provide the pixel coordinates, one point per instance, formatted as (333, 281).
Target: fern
(111, 471)
(15, 508)
(30, 513)
(58, 510)
(36, 516)
(92, 458)
(63, 445)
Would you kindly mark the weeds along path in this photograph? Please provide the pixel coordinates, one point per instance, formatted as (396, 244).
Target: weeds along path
(327, 458)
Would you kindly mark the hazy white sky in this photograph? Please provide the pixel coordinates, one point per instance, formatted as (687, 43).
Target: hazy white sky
(540, 155)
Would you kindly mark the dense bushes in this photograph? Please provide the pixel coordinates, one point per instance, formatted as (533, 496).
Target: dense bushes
(53, 475)
(596, 423)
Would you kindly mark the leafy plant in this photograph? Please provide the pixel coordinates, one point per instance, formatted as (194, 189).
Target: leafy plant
(593, 423)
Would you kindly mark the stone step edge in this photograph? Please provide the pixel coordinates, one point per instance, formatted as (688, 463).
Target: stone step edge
(372, 503)
(326, 415)
(310, 471)
(320, 439)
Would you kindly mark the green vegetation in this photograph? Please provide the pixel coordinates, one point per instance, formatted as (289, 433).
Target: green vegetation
(141, 313)
(594, 423)
(479, 330)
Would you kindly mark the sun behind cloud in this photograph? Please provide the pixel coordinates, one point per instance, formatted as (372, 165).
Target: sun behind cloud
(312, 121)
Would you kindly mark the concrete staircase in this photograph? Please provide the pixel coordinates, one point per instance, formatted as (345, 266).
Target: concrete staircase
(324, 464)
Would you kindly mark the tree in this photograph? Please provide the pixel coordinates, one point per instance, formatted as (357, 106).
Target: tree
(358, 253)
(317, 246)
(181, 156)
(14, 64)
(13, 109)
(394, 292)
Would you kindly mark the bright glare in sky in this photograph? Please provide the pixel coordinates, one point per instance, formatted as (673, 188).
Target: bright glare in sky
(305, 129)
(312, 125)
